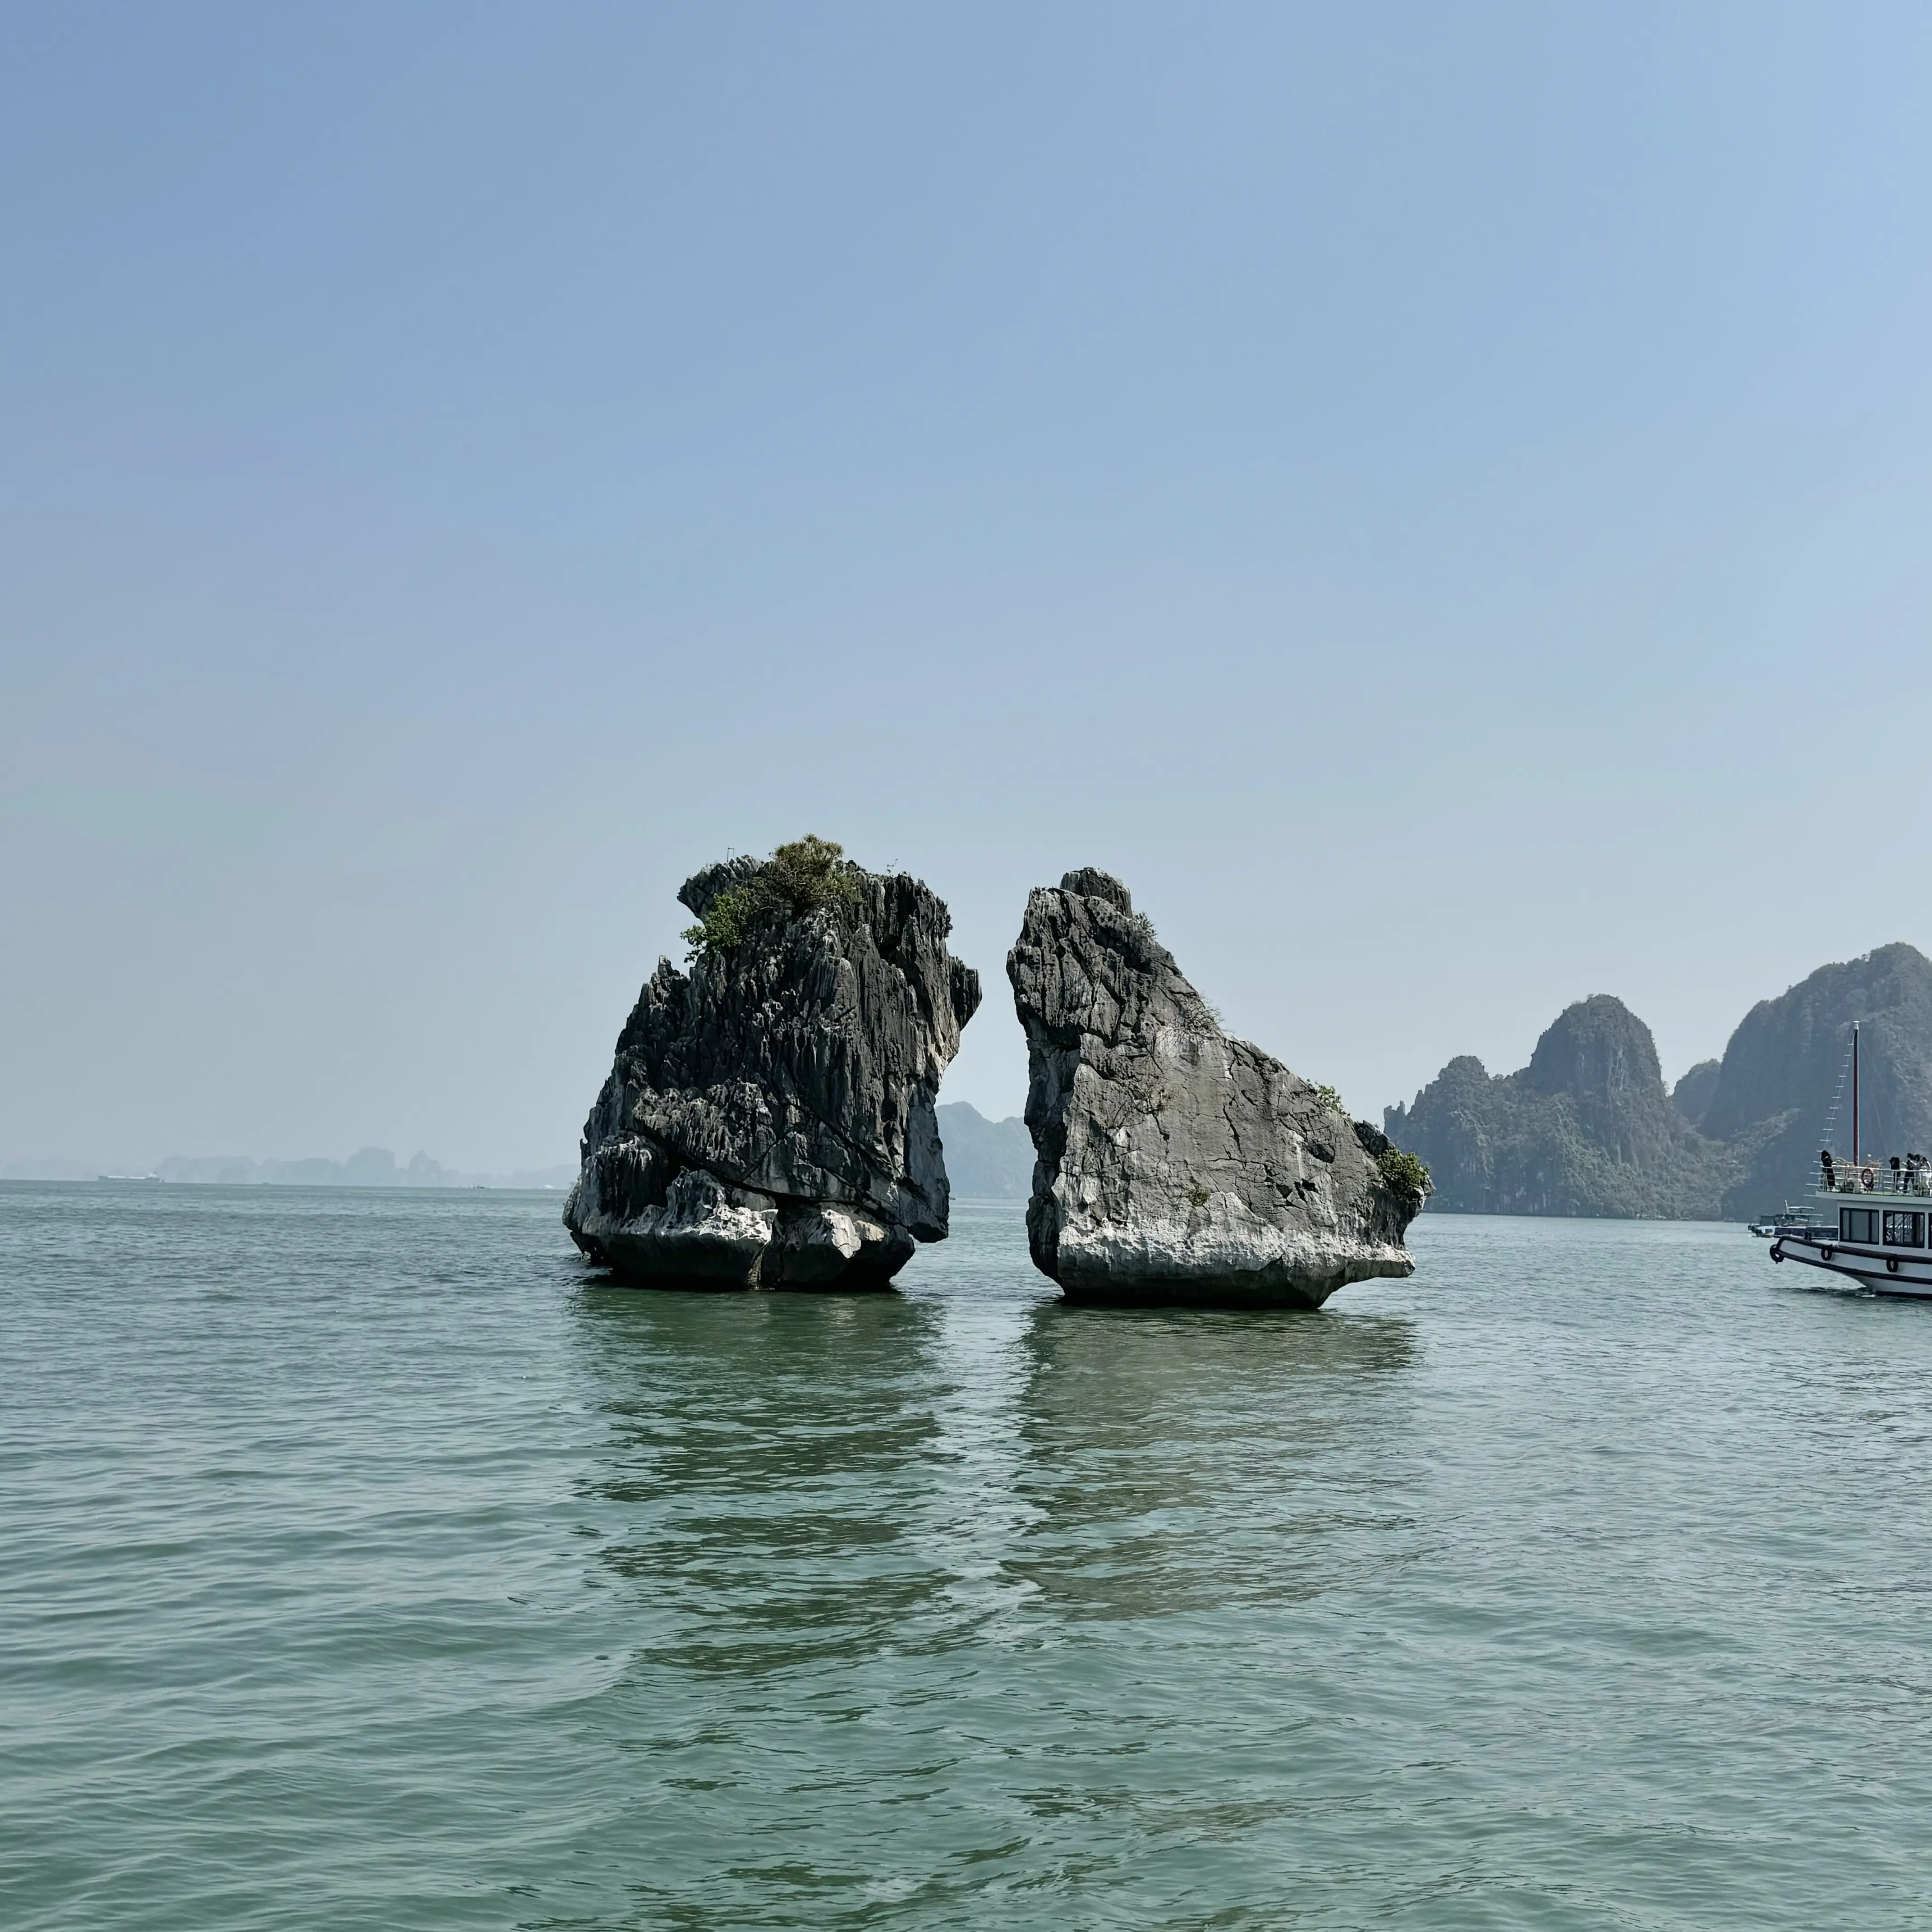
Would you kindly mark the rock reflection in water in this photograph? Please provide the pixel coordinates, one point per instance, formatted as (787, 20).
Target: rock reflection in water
(763, 1456)
(792, 1478)
(1190, 1459)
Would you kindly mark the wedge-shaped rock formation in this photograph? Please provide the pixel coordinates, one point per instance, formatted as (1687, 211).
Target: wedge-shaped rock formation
(768, 1122)
(1174, 1165)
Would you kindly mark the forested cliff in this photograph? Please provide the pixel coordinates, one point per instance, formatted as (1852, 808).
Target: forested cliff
(1588, 1128)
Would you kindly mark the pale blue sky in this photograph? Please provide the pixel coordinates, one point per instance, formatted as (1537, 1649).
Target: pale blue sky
(1439, 498)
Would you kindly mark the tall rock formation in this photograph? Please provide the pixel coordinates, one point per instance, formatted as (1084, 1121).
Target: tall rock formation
(1691, 1096)
(1586, 1128)
(769, 1119)
(1174, 1165)
(1781, 1069)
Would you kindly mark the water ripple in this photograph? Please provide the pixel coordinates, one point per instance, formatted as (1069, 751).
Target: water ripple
(371, 1561)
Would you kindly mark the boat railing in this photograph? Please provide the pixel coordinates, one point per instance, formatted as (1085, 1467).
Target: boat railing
(1908, 1173)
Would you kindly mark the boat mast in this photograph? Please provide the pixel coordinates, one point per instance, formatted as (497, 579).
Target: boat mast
(1854, 1093)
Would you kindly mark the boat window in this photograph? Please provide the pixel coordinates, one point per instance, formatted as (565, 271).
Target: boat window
(1903, 1230)
(1858, 1224)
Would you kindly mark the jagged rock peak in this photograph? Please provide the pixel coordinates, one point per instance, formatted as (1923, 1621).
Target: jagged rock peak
(768, 1121)
(1692, 1095)
(1096, 884)
(1782, 1066)
(1586, 1128)
(1597, 1047)
(1173, 1164)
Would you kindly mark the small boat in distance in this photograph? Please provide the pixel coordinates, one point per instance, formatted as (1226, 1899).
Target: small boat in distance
(1869, 1220)
(1788, 1220)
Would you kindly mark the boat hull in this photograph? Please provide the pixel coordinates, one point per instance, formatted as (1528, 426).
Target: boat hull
(1883, 1273)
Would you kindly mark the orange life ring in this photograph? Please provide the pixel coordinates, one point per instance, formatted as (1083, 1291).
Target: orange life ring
(1868, 1175)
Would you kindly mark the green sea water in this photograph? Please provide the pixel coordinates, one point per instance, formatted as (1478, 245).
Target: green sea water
(366, 1561)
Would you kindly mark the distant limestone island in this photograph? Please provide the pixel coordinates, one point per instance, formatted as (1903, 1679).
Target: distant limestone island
(368, 1167)
(985, 1160)
(1588, 1128)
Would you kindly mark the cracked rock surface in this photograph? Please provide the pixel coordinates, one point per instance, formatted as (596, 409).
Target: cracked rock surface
(768, 1120)
(1174, 1165)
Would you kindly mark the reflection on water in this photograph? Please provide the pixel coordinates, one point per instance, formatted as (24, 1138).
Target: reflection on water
(805, 1476)
(741, 1390)
(946, 1551)
(1576, 1581)
(763, 1454)
(1183, 1460)
(1129, 1368)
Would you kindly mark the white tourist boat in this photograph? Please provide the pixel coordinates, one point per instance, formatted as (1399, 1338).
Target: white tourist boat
(1870, 1218)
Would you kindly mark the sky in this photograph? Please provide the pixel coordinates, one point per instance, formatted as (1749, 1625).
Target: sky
(1437, 499)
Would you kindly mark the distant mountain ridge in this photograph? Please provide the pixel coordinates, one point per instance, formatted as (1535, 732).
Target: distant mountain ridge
(985, 1160)
(1587, 1128)
(1775, 1083)
(368, 1167)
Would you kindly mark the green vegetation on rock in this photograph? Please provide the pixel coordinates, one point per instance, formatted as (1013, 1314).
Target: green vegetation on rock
(797, 879)
(1406, 1174)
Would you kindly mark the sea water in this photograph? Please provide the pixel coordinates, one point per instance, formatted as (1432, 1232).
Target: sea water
(367, 1560)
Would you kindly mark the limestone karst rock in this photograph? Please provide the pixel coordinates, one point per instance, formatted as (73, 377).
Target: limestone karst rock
(1696, 1087)
(1782, 1067)
(1175, 1165)
(768, 1120)
(1586, 1128)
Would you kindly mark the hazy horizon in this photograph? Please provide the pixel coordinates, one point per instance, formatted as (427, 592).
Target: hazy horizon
(503, 1177)
(83, 1168)
(1396, 485)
